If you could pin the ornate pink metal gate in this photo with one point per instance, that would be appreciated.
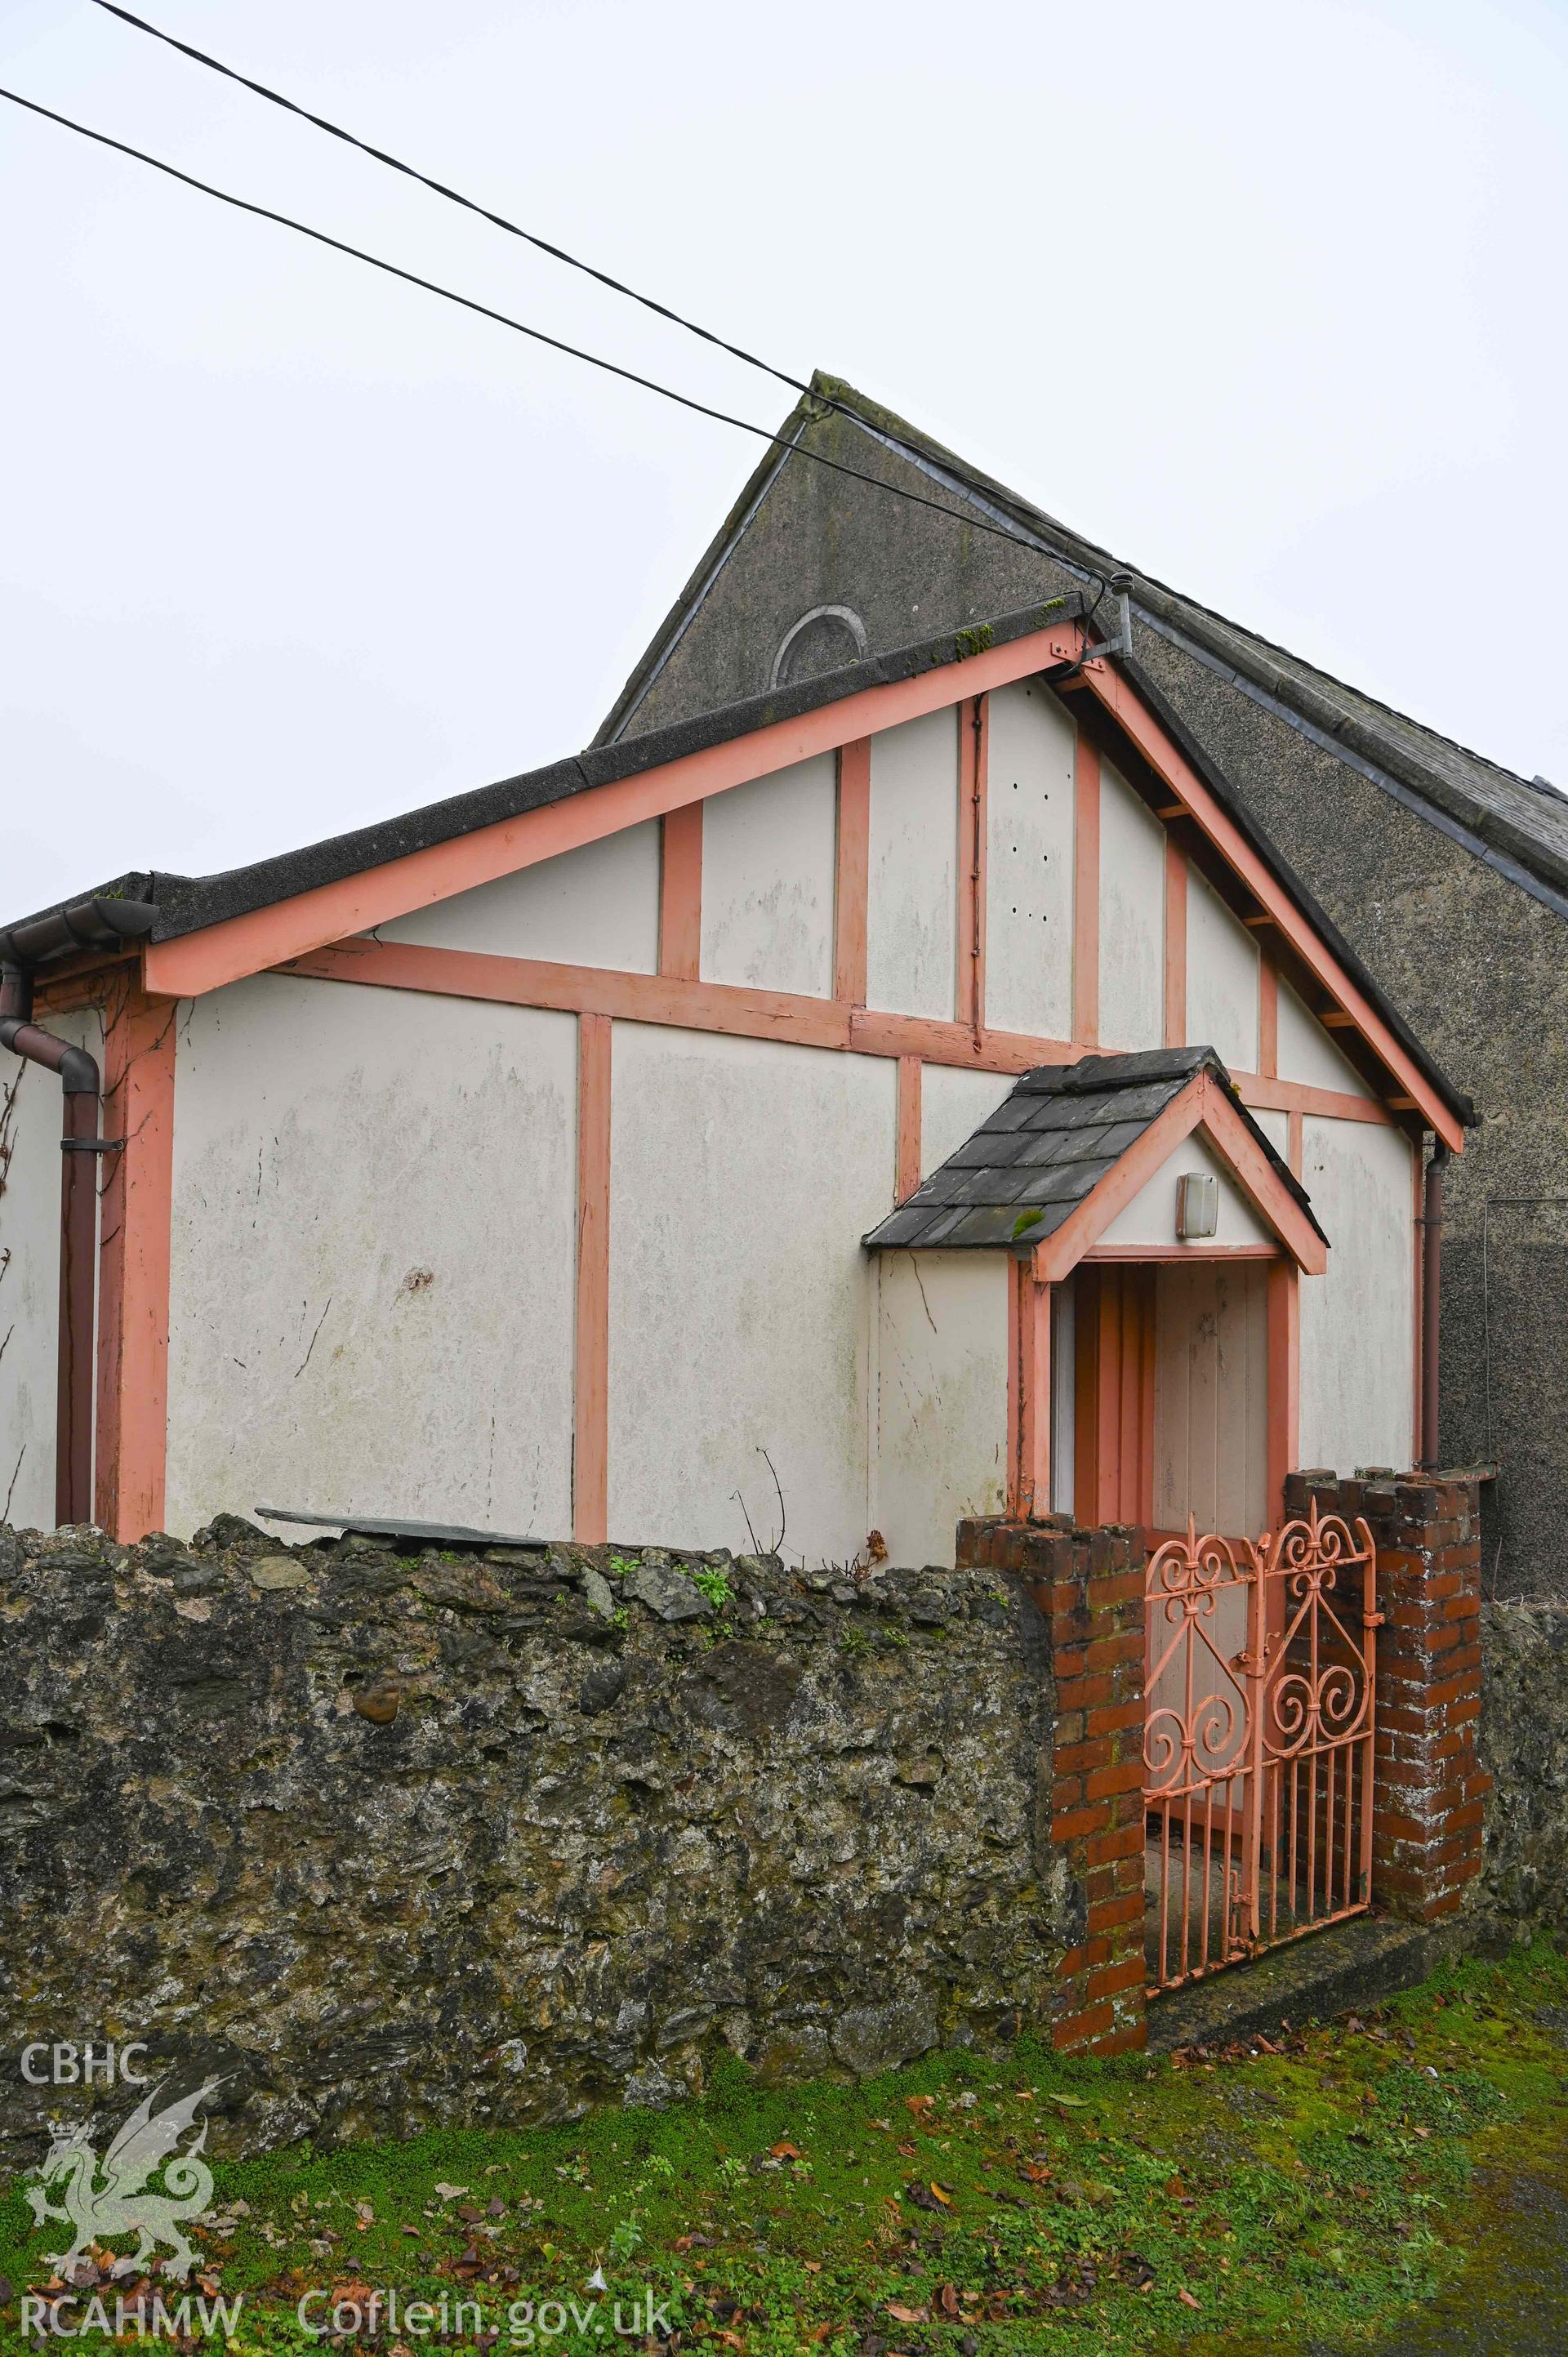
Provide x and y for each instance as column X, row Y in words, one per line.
column 1258, row 1740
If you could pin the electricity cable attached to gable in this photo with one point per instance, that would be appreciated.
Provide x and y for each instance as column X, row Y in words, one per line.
column 505, row 319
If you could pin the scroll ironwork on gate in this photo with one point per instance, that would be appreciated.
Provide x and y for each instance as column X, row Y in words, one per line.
column 1258, row 1739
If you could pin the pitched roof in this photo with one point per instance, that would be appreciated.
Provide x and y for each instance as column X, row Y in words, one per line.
column 187, row 903
column 1048, row 1143
column 1516, row 824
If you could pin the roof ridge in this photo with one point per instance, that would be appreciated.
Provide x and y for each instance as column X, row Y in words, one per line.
column 852, row 402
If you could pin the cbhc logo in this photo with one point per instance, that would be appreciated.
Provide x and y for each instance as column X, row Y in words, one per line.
column 68, row 2065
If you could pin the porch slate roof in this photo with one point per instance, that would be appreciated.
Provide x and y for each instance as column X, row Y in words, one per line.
column 1047, row 1145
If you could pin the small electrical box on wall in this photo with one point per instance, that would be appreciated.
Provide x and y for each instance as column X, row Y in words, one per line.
column 1196, row 1205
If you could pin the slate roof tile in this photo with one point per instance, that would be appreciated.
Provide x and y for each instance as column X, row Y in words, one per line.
column 1079, row 1120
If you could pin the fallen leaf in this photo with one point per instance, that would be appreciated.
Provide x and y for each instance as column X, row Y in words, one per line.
column 908, row 2315
column 353, row 2291
column 785, row 2151
column 948, row 2300
column 918, row 2103
column 943, row 2196
column 908, row 2150
column 1175, row 2189
column 1423, row 2132
column 1186, row 2299
column 450, row 2192
column 1077, row 2103
column 813, row 2266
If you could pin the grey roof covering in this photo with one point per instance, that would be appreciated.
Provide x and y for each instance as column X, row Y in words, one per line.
column 1048, row 1145
column 187, row 903
column 1519, row 825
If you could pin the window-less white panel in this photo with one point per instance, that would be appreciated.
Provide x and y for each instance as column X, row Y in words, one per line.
column 30, row 1119
column 953, row 1104
column 1307, row 1053
column 1275, row 1127
column 743, row 1175
column 1150, row 1218
column 596, row 906
column 1358, row 1370
column 374, row 1235
column 768, row 857
column 1028, row 863
column 911, row 934
column 941, row 1438
column 1211, row 1397
column 1131, row 917
column 1221, row 978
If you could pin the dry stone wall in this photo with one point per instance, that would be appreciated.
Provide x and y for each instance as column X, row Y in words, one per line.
column 393, row 1840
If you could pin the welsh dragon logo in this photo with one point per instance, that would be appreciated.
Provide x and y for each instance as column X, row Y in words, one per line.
column 104, row 2201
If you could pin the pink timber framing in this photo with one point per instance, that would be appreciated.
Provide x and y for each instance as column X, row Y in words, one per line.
column 749, row 1013
column 973, row 752
column 1028, row 1393
column 134, row 1229
column 1168, row 762
column 1203, row 1103
column 1114, row 1474
column 853, row 884
column 680, row 893
column 320, row 934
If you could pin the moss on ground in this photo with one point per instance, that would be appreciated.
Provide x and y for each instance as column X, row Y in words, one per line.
column 1257, row 2198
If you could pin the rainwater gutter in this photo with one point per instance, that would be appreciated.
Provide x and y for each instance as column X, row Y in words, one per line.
column 91, row 924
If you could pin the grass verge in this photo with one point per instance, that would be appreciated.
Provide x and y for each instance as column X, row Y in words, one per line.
column 1256, row 2198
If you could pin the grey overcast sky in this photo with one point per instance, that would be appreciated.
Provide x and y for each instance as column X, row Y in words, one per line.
column 1267, row 298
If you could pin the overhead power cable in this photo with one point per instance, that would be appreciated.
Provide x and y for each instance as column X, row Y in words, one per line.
column 453, row 196
column 543, row 244
column 504, row 320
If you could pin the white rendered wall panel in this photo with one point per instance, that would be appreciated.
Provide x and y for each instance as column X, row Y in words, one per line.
column 1306, row 1052
column 1275, row 1127
column 1221, row 978
column 596, row 906
column 744, row 1174
column 942, row 1390
column 372, row 1281
column 911, row 935
column 1151, row 1217
column 1357, row 1371
column 1030, row 821
column 953, row 1104
column 1131, row 917
column 769, row 851
column 32, row 1116
column 1211, row 1396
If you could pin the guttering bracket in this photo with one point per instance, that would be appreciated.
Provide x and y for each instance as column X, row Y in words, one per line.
column 92, row 1145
